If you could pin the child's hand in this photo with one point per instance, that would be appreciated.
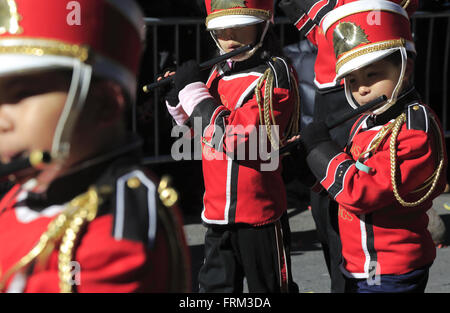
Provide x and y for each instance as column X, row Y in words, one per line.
column 169, row 92
column 187, row 73
column 293, row 138
column 166, row 74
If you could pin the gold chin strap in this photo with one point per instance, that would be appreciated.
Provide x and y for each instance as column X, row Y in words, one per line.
column 67, row 226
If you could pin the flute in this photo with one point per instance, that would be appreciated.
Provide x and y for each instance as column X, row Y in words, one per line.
column 339, row 121
column 35, row 160
column 203, row 66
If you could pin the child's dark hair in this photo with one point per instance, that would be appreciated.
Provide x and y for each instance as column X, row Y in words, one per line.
column 396, row 58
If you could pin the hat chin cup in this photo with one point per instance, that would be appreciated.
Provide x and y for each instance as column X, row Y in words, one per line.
column 393, row 99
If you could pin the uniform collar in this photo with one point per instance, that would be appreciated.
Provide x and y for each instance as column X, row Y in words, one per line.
column 260, row 57
column 404, row 99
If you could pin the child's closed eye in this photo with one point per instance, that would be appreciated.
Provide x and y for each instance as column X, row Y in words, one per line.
column 372, row 74
column 15, row 95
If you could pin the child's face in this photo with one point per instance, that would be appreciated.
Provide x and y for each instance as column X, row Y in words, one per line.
column 30, row 107
column 233, row 38
column 373, row 81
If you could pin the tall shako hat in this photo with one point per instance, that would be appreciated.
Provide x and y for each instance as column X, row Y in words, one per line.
column 366, row 31
column 235, row 13
column 102, row 38
column 238, row 13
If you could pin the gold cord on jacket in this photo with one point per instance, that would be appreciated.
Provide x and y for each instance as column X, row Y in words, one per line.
column 395, row 127
column 292, row 128
column 268, row 78
column 86, row 210
column 66, row 225
column 432, row 180
column 266, row 105
column 382, row 133
column 405, row 3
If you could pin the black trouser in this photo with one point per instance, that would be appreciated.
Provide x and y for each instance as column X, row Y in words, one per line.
column 261, row 254
column 324, row 210
column 414, row 281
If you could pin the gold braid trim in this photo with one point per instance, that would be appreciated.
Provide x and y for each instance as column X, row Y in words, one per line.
column 68, row 223
column 87, row 207
column 292, row 128
column 405, row 3
column 268, row 78
column 47, row 239
column 382, row 133
column 266, row 105
column 258, row 94
column 45, row 47
column 379, row 46
column 265, row 15
column 393, row 153
column 269, row 118
column 431, row 182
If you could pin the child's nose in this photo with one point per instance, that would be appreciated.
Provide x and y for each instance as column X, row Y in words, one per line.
column 5, row 123
column 228, row 34
column 364, row 90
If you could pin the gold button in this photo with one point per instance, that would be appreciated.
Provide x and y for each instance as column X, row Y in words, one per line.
column 133, row 182
column 168, row 197
column 415, row 108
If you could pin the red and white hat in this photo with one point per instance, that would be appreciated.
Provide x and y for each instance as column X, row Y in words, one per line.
column 363, row 32
column 102, row 38
column 236, row 13
column 224, row 14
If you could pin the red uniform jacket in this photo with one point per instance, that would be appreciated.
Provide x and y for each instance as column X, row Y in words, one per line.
column 237, row 188
column 307, row 17
column 128, row 247
column 377, row 232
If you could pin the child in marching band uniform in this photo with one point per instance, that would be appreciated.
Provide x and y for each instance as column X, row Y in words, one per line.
column 244, row 206
column 330, row 100
column 392, row 167
column 92, row 220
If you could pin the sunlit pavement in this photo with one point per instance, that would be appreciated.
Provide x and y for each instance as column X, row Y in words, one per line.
column 308, row 265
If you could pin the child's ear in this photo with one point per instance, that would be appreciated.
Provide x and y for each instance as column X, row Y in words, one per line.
column 409, row 70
